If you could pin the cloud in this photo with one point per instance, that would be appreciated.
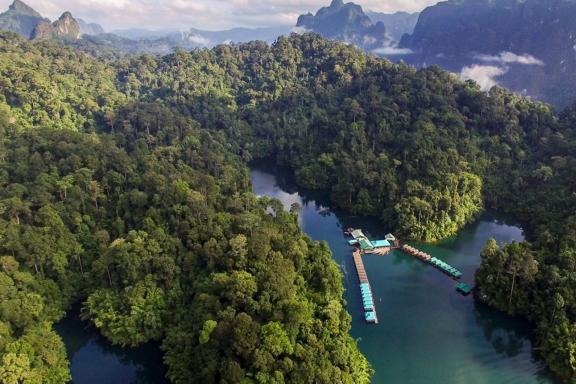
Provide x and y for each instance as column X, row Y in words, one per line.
column 299, row 30
column 205, row 14
column 510, row 58
column 392, row 51
column 198, row 39
column 484, row 75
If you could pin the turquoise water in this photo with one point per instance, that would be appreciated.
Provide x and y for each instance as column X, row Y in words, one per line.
column 93, row 360
column 427, row 332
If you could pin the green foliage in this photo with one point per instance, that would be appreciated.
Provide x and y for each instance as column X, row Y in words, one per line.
column 47, row 85
column 31, row 351
column 132, row 317
column 124, row 185
column 506, row 276
column 433, row 213
column 209, row 326
column 540, row 193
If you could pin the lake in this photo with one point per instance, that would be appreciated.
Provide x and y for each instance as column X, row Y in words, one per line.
column 94, row 360
column 427, row 333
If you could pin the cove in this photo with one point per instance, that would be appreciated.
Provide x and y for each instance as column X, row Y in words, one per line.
column 94, row 360
column 427, row 332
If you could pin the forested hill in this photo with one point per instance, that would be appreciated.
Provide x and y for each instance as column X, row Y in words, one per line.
column 124, row 185
column 153, row 226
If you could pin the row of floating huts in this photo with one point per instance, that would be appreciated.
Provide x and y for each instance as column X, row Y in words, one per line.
column 439, row 264
column 461, row 287
column 377, row 247
column 381, row 247
column 365, row 289
column 368, row 303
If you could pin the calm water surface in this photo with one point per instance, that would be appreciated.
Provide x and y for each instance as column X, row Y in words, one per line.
column 428, row 333
column 93, row 360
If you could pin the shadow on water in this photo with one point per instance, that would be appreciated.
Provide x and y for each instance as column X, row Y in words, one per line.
column 510, row 337
column 285, row 181
column 94, row 360
column 507, row 337
column 428, row 333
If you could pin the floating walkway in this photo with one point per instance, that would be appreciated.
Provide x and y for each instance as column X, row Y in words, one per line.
column 382, row 247
column 373, row 247
column 439, row 264
column 362, row 277
column 365, row 289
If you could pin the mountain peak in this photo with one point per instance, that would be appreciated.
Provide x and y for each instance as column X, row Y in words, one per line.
column 65, row 27
column 20, row 19
column 23, row 8
column 66, row 15
column 345, row 22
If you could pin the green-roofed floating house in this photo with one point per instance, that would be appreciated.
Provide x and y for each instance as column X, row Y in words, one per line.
column 370, row 317
column 464, row 288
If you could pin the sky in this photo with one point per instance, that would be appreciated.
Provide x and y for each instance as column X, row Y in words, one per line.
column 203, row 14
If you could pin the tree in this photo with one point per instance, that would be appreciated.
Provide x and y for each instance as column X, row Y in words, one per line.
column 558, row 304
column 207, row 329
column 520, row 263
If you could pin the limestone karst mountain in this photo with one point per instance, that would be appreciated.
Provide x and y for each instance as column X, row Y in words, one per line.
column 347, row 23
column 20, row 19
column 66, row 27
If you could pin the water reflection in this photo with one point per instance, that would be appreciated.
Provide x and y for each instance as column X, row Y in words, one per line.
column 506, row 337
column 93, row 360
column 428, row 333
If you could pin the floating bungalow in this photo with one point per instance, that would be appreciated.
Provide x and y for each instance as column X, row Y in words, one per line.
column 370, row 317
column 378, row 247
column 392, row 240
column 464, row 288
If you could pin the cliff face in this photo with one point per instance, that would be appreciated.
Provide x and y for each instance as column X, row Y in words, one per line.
column 530, row 44
column 543, row 28
column 397, row 24
column 66, row 27
column 90, row 28
column 347, row 23
column 20, row 19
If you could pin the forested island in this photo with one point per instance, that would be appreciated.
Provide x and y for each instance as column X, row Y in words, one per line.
column 124, row 185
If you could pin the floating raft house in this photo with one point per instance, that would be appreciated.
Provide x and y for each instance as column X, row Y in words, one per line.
column 365, row 244
column 381, row 243
column 390, row 237
column 446, row 268
column 367, row 298
column 370, row 317
column 378, row 247
column 464, row 288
